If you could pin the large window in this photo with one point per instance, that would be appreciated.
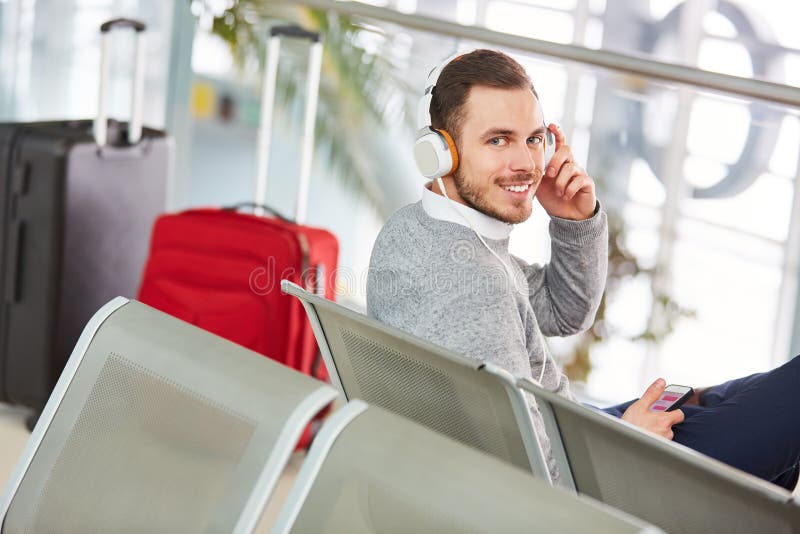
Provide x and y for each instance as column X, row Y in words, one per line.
column 50, row 57
column 702, row 184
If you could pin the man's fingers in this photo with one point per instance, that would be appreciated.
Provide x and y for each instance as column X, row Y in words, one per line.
column 560, row 159
column 562, row 155
column 579, row 183
column 568, row 171
column 660, row 423
column 677, row 417
column 654, row 391
column 558, row 133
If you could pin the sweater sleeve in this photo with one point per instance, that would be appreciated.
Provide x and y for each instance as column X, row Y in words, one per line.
column 566, row 293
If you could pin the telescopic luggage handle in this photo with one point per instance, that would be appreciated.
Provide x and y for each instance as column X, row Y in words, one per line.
column 293, row 30
column 101, row 122
column 261, row 208
column 309, row 118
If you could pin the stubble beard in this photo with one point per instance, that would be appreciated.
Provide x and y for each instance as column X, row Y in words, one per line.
column 473, row 197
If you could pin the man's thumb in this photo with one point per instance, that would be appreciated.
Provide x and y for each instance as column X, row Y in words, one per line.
column 654, row 391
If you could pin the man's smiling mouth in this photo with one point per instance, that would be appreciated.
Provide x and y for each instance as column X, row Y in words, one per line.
column 517, row 188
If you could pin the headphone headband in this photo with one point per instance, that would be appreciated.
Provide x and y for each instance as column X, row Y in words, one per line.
column 424, row 108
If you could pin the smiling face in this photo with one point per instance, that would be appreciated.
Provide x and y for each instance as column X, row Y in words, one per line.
column 501, row 150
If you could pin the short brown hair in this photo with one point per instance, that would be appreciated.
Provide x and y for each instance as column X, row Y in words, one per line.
column 488, row 68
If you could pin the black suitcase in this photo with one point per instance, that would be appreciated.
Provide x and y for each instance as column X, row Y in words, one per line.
column 76, row 217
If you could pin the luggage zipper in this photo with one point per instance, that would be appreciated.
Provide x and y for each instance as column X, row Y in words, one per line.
column 304, row 250
column 316, row 283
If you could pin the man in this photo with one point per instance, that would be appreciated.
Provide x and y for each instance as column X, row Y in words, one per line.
column 441, row 269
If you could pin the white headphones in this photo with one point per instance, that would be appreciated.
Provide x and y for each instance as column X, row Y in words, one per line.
column 434, row 150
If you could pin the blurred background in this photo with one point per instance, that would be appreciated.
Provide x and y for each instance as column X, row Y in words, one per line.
column 699, row 184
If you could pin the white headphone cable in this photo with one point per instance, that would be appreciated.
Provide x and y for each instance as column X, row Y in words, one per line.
column 513, row 278
column 455, row 206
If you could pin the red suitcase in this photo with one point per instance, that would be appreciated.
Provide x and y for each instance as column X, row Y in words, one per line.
column 220, row 269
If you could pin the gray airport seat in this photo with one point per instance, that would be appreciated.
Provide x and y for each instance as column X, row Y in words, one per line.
column 370, row 470
column 659, row 481
column 158, row 426
column 474, row 403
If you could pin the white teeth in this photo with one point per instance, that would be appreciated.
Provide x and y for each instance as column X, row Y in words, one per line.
column 516, row 188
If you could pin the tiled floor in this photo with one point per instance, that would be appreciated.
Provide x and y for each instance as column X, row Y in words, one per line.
column 13, row 437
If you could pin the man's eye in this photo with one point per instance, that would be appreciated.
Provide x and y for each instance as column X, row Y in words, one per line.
column 497, row 141
column 535, row 139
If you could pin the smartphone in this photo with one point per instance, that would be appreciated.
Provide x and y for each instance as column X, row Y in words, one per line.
column 672, row 398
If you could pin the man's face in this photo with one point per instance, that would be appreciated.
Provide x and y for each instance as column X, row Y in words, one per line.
column 501, row 151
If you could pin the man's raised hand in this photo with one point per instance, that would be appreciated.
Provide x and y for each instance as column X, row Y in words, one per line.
column 566, row 191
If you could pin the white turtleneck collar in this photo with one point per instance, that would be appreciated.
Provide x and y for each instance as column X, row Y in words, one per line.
column 438, row 207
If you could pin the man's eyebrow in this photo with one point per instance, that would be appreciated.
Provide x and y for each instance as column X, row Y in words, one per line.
column 492, row 132
column 506, row 132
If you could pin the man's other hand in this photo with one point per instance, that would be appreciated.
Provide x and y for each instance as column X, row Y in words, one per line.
column 657, row 422
column 566, row 191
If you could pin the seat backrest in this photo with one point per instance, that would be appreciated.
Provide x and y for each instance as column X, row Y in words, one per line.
column 158, row 426
column 662, row 482
column 474, row 403
column 373, row 471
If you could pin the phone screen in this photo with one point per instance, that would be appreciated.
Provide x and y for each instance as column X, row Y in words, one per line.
column 672, row 398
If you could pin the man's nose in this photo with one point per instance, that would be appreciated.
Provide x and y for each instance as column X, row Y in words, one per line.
column 522, row 158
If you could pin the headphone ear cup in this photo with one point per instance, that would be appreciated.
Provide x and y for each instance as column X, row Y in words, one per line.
column 432, row 156
column 435, row 153
column 549, row 146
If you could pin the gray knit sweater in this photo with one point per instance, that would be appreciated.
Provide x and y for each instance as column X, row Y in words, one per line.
column 434, row 279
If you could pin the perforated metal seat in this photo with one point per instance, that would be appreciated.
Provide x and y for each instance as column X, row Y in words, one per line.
column 665, row 483
column 373, row 471
column 474, row 403
column 158, row 426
